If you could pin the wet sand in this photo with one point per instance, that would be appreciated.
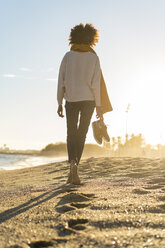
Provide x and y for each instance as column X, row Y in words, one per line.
column 120, row 203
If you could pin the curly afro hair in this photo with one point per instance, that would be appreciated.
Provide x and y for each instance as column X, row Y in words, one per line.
column 84, row 34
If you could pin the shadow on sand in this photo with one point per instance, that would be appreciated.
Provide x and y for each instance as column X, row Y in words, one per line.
column 46, row 196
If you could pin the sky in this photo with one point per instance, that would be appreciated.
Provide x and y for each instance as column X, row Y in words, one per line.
column 33, row 41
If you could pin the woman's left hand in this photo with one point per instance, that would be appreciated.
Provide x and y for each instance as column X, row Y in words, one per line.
column 99, row 113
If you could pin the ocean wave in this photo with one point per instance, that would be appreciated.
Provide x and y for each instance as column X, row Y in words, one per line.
column 17, row 161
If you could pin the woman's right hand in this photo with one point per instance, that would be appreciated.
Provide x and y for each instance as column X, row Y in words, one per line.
column 99, row 113
column 60, row 111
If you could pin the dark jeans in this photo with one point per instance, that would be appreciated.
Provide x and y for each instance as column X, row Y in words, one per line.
column 76, row 132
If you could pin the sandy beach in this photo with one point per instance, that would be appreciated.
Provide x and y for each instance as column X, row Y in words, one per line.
column 120, row 203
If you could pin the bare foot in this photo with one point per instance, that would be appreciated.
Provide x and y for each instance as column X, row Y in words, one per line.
column 73, row 176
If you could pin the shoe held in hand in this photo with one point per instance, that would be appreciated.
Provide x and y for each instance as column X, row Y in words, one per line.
column 100, row 131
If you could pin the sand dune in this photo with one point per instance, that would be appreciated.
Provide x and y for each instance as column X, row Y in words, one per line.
column 120, row 203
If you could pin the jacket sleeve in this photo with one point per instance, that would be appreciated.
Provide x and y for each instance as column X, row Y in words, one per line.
column 96, row 82
column 61, row 78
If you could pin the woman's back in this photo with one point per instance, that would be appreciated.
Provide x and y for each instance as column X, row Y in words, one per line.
column 80, row 75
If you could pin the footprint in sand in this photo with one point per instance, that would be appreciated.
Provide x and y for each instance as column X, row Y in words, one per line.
column 160, row 209
column 64, row 231
column 40, row 244
column 114, row 224
column 64, row 209
column 153, row 187
column 15, row 246
column 72, row 226
column 162, row 198
column 75, row 197
column 79, row 205
column 70, row 202
column 137, row 175
column 160, row 181
column 73, row 201
column 140, row 192
column 103, row 207
column 77, row 224
column 43, row 243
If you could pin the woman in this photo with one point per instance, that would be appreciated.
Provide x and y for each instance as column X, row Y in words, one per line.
column 79, row 82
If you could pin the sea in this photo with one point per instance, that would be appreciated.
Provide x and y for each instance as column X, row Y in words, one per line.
column 19, row 161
